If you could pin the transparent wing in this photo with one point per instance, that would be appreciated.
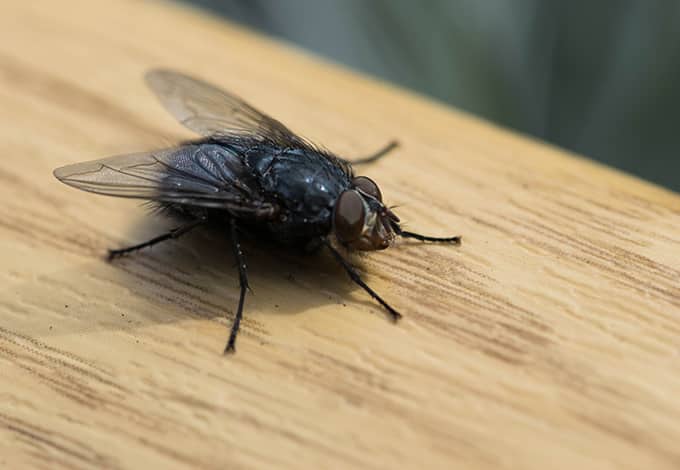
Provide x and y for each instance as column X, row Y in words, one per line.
column 204, row 175
column 212, row 112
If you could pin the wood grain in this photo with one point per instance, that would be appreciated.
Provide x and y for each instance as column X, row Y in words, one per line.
column 550, row 338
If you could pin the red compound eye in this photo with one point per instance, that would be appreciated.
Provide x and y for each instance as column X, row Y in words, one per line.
column 349, row 216
column 368, row 186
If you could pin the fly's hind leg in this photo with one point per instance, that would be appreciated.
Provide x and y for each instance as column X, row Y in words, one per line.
column 171, row 234
column 243, row 282
column 378, row 155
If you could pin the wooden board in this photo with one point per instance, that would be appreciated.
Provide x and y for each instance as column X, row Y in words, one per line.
column 551, row 338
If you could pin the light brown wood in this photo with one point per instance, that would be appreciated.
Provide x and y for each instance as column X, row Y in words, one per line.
column 550, row 339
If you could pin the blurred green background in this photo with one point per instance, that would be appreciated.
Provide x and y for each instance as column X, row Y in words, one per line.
column 596, row 77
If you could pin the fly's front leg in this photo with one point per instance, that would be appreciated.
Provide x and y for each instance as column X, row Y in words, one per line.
column 243, row 282
column 378, row 155
column 356, row 278
column 424, row 238
column 171, row 234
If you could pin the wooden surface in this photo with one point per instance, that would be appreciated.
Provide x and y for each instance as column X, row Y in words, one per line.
column 551, row 338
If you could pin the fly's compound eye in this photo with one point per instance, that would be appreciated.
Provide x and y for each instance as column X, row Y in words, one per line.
column 349, row 216
column 368, row 186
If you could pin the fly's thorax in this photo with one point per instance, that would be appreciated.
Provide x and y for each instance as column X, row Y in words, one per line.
column 300, row 179
column 304, row 183
column 360, row 220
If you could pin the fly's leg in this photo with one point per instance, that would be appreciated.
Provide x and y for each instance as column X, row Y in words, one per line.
column 425, row 238
column 243, row 282
column 379, row 154
column 356, row 278
column 174, row 233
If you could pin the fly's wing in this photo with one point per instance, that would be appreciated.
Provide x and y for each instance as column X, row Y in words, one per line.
column 204, row 175
column 212, row 112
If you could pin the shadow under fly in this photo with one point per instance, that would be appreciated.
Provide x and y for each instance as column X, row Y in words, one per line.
column 248, row 175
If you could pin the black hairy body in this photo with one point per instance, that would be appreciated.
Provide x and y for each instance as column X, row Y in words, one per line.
column 287, row 194
column 249, row 174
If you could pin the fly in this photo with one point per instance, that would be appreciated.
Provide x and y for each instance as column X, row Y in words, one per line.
column 248, row 173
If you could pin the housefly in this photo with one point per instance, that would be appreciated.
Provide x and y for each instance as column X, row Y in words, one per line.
column 248, row 174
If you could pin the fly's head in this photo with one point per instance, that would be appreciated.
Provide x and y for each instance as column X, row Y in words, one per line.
column 360, row 219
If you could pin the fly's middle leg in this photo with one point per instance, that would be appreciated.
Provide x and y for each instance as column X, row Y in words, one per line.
column 243, row 282
column 378, row 155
